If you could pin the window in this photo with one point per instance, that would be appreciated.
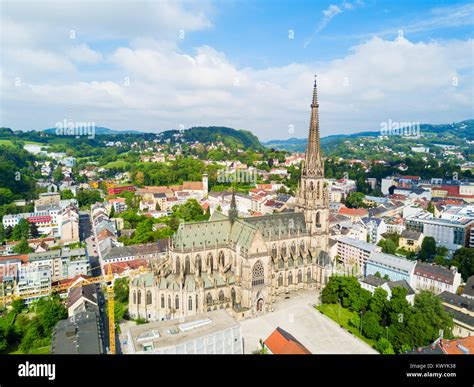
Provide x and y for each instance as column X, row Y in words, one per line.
column 308, row 275
column 198, row 264
column 190, row 303
column 283, row 249
column 280, row 280
column 293, row 247
column 187, row 265
column 258, row 274
column 290, row 278
column 134, row 297
column 221, row 259
column 177, row 265
column 209, row 299
column 169, row 302
column 197, row 303
column 148, row 298
column 163, row 301
column 210, row 263
column 300, row 276
column 318, row 219
column 176, row 302
column 221, row 296
column 274, row 251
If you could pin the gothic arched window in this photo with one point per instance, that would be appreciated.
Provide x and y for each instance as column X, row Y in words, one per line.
column 187, row 265
column 283, row 249
column 258, row 274
column 176, row 302
column 197, row 303
column 300, row 276
column 190, row 303
column 198, row 264
column 163, row 301
column 134, row 297
column 139, row 295
column 232, row 295
column 221, row 259
column 293, row 247
column 302, row 246
column 169, row 302
column 308, row 275
column 177, row 265
column 209, row 299
column 148, row 297
column 318, row 219
column 280, row 280
column 210, row 262
column 274, row 251
column 221, row 296
column 290, row 278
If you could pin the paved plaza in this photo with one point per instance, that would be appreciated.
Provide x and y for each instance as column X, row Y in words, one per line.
column 296, row 315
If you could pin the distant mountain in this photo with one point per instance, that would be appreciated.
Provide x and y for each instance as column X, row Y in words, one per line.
column 213, row 134
column 99, row 130
column 460, row 130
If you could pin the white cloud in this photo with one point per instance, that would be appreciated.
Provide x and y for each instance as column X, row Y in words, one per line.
column 168, row 87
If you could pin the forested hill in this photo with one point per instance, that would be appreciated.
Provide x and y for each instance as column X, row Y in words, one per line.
column 212, row 134
column 444, row 133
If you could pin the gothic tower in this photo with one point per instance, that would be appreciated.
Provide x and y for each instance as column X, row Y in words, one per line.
column 312, row 196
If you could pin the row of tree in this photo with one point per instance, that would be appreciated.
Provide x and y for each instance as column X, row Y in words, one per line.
column 394, row 324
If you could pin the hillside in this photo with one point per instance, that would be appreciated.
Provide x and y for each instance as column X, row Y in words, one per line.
column 431, row 134
column 211, row 134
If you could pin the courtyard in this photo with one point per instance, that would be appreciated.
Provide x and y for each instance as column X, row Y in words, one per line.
column 297, row 315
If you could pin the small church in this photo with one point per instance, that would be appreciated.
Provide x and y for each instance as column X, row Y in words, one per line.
column 242, row 265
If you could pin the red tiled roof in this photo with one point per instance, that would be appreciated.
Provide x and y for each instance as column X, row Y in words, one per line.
column 353, row 211
column 281, row 342
column 452, row 347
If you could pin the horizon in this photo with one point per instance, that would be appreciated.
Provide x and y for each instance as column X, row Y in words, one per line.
column 150, row 65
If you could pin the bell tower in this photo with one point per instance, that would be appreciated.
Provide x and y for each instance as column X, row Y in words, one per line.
column 312, row 196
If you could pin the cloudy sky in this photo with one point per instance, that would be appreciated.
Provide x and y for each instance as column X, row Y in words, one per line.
column 159, row 65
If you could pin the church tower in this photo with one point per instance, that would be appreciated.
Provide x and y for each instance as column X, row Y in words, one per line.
column 312, row 196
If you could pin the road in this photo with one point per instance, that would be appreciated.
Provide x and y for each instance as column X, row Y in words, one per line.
column 85, row 232
column 296, row 315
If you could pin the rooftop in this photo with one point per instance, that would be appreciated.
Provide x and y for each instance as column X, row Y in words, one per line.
column 173, row 332
column 281, row 342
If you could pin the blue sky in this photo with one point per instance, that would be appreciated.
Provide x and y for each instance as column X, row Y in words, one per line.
column 246, row 64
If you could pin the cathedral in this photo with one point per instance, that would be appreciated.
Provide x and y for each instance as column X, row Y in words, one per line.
column 242, row 265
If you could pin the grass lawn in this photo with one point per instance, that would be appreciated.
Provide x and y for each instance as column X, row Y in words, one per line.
column 34, row 351
column 116, row 164
column 342, row 316
column 6, row 142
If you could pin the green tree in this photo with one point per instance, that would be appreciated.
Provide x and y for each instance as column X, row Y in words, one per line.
column 371, row 326
column 21, row 230
column 384, row 346
column 34, row 232
column 388, row 246
column 355, row 200
column 378, row 302
column 22, row 247
column 463, row 258
column 67, row 194
column 428, row 249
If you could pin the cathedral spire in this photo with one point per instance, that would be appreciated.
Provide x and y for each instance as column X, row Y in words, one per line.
column 233, row 211
column 313, row 162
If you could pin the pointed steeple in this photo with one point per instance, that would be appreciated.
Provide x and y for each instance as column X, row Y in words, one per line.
column 233, row 212
column 313, row 162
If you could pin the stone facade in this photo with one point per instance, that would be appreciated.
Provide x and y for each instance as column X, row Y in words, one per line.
column 242, row 264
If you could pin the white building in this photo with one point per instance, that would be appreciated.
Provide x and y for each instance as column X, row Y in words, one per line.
column 210, row 333
column 436, row 278
column 354, row 253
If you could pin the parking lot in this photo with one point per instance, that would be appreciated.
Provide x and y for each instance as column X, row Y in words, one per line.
column 296, row 315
